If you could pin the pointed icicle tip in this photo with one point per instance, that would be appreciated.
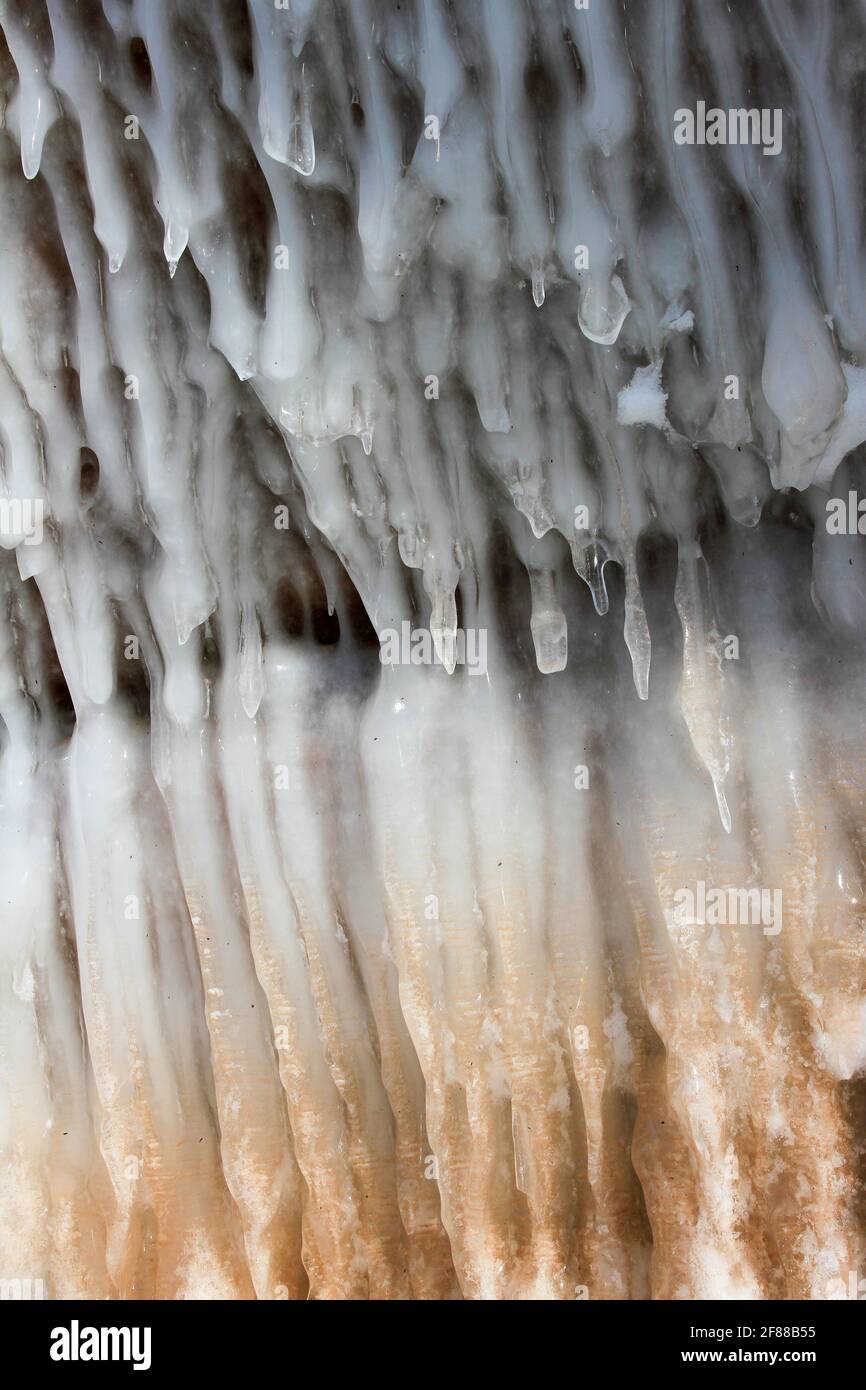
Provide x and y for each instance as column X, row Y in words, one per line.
column 537, row 287
column 174, row 245
column 301, row 148
column 251, row 698
column 445, row 644
column 724, row 810
column 589, row 564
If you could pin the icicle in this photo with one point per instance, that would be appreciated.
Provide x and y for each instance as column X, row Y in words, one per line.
column 301, row 144
column 359, row 424
column 443, row 627
column 538, row 286
column 408, row 547
column 251, row 678
column 603, row 310
column 548, row 625
column 176, row 239
column 701, row 688
column 636, row 630
column 521, row 1152
column 589, row 562
column 37, row 108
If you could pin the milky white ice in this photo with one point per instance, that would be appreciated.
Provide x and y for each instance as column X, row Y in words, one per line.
column 325, row 970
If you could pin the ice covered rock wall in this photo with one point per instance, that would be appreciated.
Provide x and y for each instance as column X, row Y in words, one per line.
column 529, row 963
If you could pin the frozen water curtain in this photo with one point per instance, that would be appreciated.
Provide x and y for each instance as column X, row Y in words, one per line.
column 432, row 665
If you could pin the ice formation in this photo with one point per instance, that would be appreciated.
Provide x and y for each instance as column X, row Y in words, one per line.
column 341, row 962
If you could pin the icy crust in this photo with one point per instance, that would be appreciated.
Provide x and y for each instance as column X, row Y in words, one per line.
column 326, row 976
column 448, row 248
